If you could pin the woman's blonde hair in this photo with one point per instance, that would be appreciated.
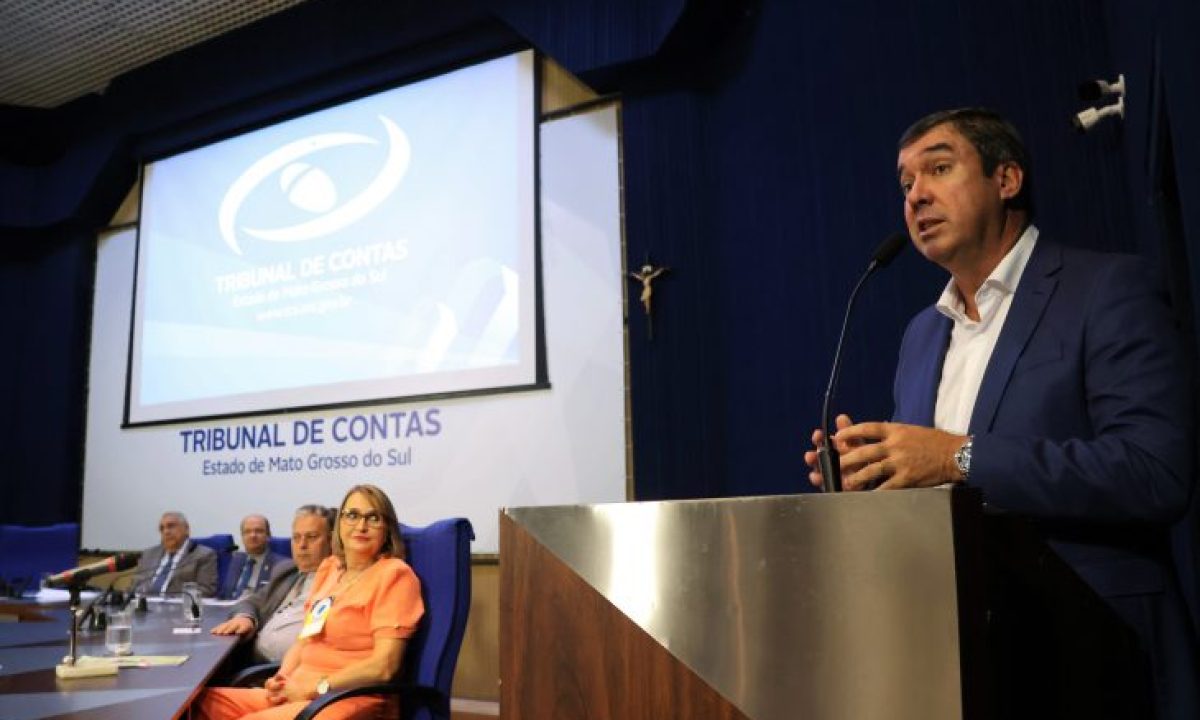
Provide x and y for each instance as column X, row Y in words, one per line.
column 393, row 546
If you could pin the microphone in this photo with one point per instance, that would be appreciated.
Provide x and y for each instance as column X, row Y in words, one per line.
column 827, row 454
column 92, row 615
column 83, row 573
column 97, row 618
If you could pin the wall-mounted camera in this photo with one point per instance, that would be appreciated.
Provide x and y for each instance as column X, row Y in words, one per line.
column 1094, row 90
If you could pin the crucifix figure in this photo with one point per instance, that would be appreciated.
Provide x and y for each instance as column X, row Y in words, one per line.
column 646, row 277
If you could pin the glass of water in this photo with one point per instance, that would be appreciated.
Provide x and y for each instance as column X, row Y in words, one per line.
column 191, row 603
column 118, row 634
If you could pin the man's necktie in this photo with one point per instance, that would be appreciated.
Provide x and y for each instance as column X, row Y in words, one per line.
column 160, row 578
column 247, row 571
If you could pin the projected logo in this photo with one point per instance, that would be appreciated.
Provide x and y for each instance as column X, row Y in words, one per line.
column 309, row 188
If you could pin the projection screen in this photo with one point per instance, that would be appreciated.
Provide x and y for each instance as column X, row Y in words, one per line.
column 380, row 248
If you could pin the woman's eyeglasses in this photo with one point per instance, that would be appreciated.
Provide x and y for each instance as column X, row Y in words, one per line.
column 353, row 517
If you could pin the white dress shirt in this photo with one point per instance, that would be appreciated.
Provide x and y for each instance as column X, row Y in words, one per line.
column 172, row 558
column 971, row 342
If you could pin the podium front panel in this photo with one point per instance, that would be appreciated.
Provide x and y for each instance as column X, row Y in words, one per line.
column 805, row 606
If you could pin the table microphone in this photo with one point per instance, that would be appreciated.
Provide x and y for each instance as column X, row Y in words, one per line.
column 97, row 618
column 83, row 573
column 827, row 455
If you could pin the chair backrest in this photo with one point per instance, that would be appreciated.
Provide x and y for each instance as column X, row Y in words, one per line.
column 440, row 555
column 281, row 546
column 222, row 545
column 28, row 552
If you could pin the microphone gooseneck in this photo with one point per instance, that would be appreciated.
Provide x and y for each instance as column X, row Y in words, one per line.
column 828, row 460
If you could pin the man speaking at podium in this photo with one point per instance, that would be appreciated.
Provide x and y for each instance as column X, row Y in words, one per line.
column 1053, row 379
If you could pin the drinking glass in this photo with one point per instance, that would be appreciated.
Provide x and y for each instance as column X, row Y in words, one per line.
column 192, row 609
column 118, row 634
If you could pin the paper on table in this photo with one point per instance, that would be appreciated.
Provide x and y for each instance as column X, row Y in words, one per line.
column 215, row 602
column 150, row 660
column 176, row 599
column 54, row 595
column 136, row 661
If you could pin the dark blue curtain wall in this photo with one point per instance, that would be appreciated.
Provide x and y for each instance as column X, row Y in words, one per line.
column 45, row 297
column 759, row 153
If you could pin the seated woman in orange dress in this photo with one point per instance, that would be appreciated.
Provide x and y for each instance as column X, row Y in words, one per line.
column 365, row 604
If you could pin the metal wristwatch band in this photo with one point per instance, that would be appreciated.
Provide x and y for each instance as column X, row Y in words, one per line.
column 962, row 458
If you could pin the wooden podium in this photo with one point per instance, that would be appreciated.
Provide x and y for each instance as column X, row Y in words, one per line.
column 857, row 605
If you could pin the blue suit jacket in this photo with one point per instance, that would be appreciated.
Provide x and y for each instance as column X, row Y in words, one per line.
column 1083, row 422
column 270, row 561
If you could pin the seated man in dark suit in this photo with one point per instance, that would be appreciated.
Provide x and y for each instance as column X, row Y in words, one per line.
column 274, row 613
column 251, row 568
column 165, row 567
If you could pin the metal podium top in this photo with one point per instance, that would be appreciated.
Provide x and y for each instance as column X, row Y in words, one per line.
column 822, row 606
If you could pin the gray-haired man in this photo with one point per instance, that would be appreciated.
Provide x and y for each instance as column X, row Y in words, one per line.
column 274, row 613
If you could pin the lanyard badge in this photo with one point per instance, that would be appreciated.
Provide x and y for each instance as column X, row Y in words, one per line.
column 314, row 620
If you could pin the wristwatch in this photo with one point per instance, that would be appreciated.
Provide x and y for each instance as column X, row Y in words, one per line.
column 962, row 458
column 322, row 686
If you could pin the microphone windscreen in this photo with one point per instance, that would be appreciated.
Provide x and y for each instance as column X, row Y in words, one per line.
column 889, row 249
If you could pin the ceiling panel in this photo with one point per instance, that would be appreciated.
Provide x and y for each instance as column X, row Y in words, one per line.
column 53, row 51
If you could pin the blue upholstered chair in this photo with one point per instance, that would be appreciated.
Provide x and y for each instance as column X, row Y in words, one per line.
column 222, row 545
column 440, row 555
column 26, row 553
column 281, row 546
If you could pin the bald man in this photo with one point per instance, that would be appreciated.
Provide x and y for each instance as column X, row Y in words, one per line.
column 251, row 567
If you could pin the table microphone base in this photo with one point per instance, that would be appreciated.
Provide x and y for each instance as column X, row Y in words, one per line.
column 86, row 667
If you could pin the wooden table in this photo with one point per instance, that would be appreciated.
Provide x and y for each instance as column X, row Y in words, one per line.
column 29, row 651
